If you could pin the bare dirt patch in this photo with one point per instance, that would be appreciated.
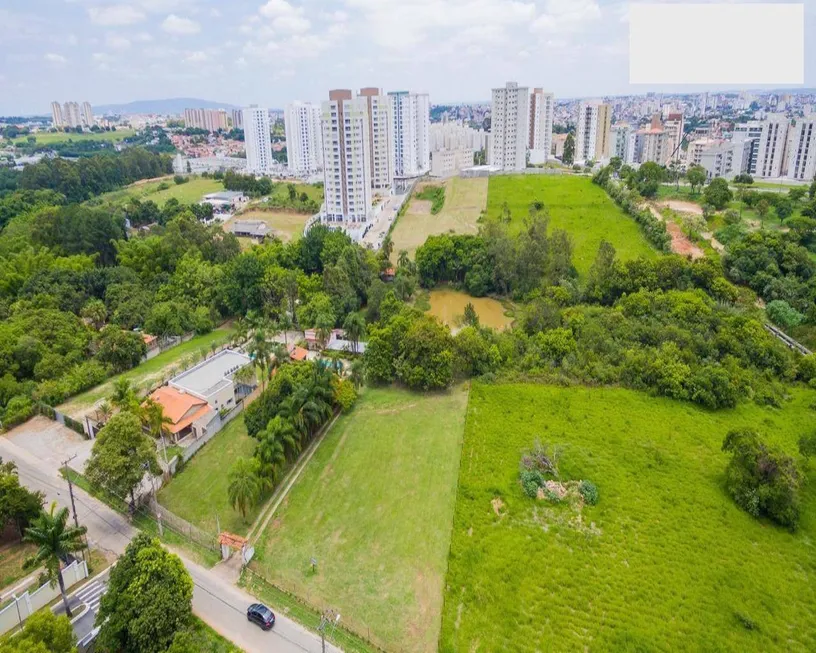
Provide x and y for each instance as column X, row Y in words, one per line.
column 680, row 244
column 421, row 207
column 498, row 505
column 683, row 207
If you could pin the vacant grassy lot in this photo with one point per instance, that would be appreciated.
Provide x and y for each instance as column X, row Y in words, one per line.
column 146, row 373
column 374, row 507
column 199, row 492
column 665, row 561
column 465, row 199
column 284, row 224
column 47, row 138
column 576, row 205
column 12, row 557
column 187, row 193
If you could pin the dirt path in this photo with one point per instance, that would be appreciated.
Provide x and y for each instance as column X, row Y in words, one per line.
column 682, row 206
column 680, row 243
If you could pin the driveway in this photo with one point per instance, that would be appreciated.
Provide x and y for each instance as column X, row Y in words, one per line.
column 52, row 443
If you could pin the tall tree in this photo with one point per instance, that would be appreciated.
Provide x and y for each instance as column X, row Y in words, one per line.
column 260, row 350
column 122, row 453
column 156, row 422
column 245, row 484
column 54, row 539
column 355, row 327
column 569, row 150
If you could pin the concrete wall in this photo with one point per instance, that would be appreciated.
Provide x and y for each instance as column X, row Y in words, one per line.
column 28, row 603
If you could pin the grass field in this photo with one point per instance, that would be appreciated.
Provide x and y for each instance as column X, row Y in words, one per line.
column 665, row 561
column 188, row 193
column 374, row 507
column 47, row 138
column 12, row 557
column 576, row 205
column 146, row 373
column 465, row 199
column 284, row 224
column 199, row 491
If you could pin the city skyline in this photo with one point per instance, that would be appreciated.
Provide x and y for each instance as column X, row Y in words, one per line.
column 455, row 51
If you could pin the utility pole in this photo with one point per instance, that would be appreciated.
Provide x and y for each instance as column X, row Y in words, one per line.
column 71, row 493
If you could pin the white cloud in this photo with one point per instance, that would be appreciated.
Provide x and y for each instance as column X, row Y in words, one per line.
column 284, row 17
column 56, row 59
column 143, row 37
column 115, row 15
column 291, row 24
column 117, row 42
column 163, row 6
column 178, row 25
column 566, row 16
column 196, row 57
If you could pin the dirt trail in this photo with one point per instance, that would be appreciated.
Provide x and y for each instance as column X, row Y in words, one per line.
column 682, row 206
column 680, row 243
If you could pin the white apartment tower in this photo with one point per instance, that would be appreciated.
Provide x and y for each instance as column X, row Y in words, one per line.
column 237, row 119
column 593, row 131
column 56, row 115
column 304, row 138
column 378, row 114
column 347, row 168
column 541, row 124
column 623, row 143
column 70, row 112
column 802, row 155
column 258, row 140
column 510, row 126
column 212, row 120
column 772, row 142
column 674, row 125
column 87, row 114
column 410, row 133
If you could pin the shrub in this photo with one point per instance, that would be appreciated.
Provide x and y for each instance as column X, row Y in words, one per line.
column 345, row 393
column 783, row 314
column 178, row 179
column 763, row 480
column 531, row 481
column 18, row 410
column 589, row 491
column 437, row 196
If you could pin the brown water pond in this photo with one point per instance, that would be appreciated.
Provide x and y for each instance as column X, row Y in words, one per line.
column 449, row 306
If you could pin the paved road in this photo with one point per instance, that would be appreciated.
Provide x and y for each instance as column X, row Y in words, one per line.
column 221, row 605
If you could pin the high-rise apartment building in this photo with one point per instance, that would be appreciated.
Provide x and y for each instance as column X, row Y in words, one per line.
column 56, row 115
column 802, row 153
column 304, row 138
column 258, row 140
column 347, row 168
column 653, row 144
column 593, row 132
column 772, row 145
column 410, row 115
column 212, row 120
column 673, row 125
column 87, row 114
column 623, row 143
column 510, row 127
column 237, row 119
column 542, row 106
column 380, row 155
column 749, row 133
column 456, row 136
column 71, row 114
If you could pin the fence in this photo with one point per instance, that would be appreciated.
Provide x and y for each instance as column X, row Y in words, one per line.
column 52, row 413
column 23, row 606
column 182, row 526
column 487, row 172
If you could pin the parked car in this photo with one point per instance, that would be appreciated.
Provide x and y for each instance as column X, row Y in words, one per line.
column 258, row 613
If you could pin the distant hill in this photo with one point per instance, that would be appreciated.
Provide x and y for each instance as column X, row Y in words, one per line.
column 167, row 106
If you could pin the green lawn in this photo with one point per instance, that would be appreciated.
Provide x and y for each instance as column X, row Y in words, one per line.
column 12, row 557
column 148, row 372
column 199, row 492
column 374, row 507
column 665, row 561
column 206, row 640
column 190, row 192
column 58, row 137
column 576, row 205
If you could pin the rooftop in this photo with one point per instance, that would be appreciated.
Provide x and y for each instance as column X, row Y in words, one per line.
column 181, row 408
column 211, row 375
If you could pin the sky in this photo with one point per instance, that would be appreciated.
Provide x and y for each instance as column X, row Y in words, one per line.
column 269, row 52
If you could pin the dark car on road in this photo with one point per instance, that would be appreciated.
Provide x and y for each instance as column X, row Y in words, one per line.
column 258, row 613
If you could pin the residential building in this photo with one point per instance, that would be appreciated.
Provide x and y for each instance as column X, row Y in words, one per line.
column 653, row 144
column 727, row 159
column 71, row 114
column 456, row 136
column 623, row 143
column 802, row 152
column 347, row 168
column 510, row 127
column 697, row 147
column 410, row 116
column 749, row 132
column 258, row 140
column 558, row 141
column 674, row 125
column 593, row 132
column 448, row 162
column 87, row 114
column 56, row 115
column 304, row 138
column 541, row 123
column 212, row 120
column 772, row 146
column 237, row 119
column 380, row 155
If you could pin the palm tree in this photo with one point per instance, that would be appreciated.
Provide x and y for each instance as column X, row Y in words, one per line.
column 280, row 355
column 355, row 327
column 55, row 539
column 244, row 484
column 154, row 419
column 323, row 328
column 285, row 324
column 387, row 247
column 272, row 455
column 357, row 373
column 123, row 396
column 104, row 412
column 403, row 261
column 246, row 376
column 261, row 351
column 284, row 432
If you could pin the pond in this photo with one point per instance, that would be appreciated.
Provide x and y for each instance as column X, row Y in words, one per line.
column 449, row 306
